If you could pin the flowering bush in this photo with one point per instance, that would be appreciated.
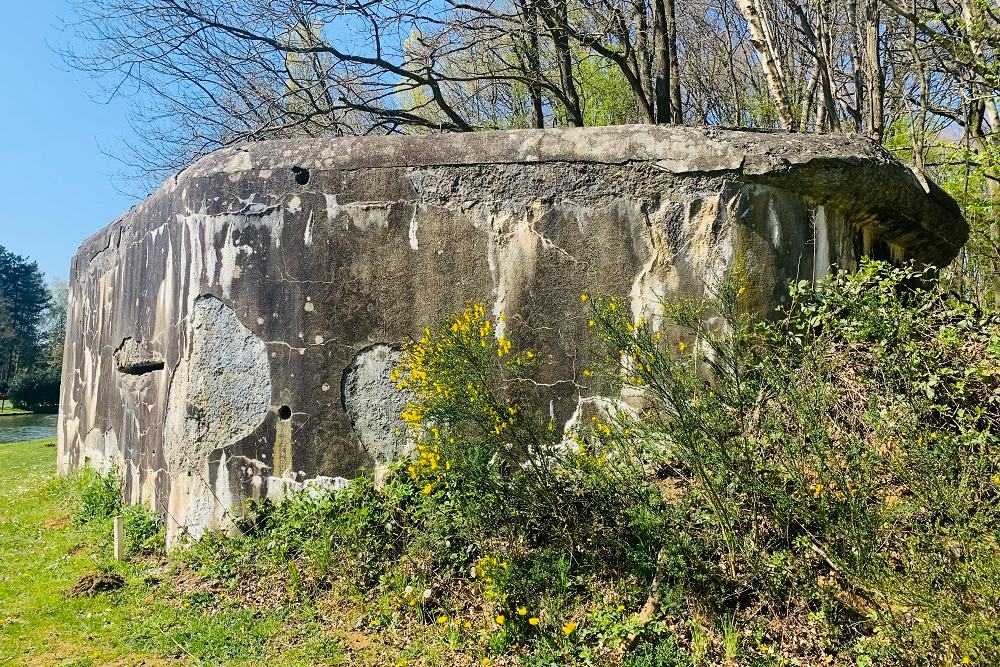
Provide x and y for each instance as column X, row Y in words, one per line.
column 819, row 488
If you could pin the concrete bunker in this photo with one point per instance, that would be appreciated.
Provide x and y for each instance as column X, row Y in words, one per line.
column 232, row 336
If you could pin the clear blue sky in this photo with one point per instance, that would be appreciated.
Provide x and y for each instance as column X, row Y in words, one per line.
column 56, row 186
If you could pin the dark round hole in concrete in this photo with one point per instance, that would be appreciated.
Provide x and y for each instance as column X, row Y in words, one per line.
column 301, row 175
column 285, row 412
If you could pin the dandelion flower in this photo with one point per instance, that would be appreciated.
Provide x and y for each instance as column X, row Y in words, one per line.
column 966, row 660
column 501, row 619
column 681, row 346
column 621, row 607
column 521, row 611
column 442, row 619
column 427, row 489
column 533, row 620
column 569, row 628
column 584, row 297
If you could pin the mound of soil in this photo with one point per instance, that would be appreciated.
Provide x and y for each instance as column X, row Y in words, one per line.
column 92, row 584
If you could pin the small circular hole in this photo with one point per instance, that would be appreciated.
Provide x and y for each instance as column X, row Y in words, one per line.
column 301, row 175
column 285, row 412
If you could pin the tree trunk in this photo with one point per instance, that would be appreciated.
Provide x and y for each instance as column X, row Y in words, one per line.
column 676, row 111
column 661, row 69
column 534, row 68
column 764, row 47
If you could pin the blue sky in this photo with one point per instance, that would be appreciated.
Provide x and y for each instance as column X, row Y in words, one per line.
column 56, row 186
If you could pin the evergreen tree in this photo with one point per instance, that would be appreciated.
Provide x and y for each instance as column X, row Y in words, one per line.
column 23, row 307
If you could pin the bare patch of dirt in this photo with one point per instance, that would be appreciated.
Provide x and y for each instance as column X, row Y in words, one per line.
column 93, row 584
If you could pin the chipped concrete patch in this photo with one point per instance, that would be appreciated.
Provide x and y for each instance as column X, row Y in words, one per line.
column 220, row 393
column 374, row 404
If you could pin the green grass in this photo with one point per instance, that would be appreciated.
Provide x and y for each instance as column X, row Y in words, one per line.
column 42, row 554
column 7, row 410
column 152, row 621
column 167, row 614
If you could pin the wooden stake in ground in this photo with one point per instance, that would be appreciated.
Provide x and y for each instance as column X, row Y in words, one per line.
column 119, row 538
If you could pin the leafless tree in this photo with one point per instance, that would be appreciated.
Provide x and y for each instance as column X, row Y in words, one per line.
column 920, row 76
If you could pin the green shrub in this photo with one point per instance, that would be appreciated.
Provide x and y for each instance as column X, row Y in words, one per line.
column 840, row 463
column 35, row 388
column 101, row 498
column 822, row 487
column 145, row 533
column 100, row 495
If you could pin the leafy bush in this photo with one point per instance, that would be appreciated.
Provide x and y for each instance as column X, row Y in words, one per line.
column 35, row 388
column 837, row 466
column 817, row 488
column 145, row 533
column 100, row 495
column 101, row 498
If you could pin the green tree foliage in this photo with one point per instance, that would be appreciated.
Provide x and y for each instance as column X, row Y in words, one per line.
column 55, row 323
column 36, row 388
column 23, row 302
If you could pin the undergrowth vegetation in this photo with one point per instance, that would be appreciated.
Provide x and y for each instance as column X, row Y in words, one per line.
column 101, row 499
column 821, row 487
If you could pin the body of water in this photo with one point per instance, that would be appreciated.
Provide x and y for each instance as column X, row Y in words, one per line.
column 27, row 427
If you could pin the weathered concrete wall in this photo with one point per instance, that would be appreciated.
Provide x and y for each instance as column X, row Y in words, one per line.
column 232, row 335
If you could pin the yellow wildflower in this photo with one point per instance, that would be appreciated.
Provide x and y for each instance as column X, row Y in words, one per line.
column 442, row 619
column 591, row 323
column 681, row 346
column 569, row 628
column 501, row 619
column 621, row 607
column 521, row 611
column 966, row 660
column 427, row 490
column 584, row 297
column 533, row 620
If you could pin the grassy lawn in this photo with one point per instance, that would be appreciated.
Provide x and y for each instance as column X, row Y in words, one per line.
column 162, row 617
column 167, row 614
column 7, row 410
column 42, row 554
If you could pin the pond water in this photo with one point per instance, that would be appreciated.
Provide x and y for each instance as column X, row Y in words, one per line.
column 27, row 427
